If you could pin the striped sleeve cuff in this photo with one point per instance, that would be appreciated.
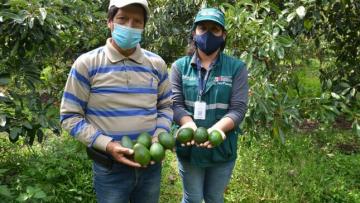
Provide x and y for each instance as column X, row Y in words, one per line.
column 101, row 142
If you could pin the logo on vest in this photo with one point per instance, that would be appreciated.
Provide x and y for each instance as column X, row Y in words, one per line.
column 223, row 80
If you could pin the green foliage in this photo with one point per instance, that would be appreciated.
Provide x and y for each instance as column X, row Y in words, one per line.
column 168, row 29
column 318, row 167
column 257, row 33
column 56, row 173
column 308, row 168
column 40, row 40
column 272, row 38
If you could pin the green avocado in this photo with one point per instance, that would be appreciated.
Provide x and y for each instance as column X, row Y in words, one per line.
column 215, row 138
column 201, row 135
column 157, row 152
column 141, row 154
column 127, row 142
column 144, row 139
column 166, row 140
column 185, row 135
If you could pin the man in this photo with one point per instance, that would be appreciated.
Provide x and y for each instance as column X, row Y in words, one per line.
column 119, row 89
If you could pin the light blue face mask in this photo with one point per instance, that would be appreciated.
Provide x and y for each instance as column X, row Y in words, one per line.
column 126, row 37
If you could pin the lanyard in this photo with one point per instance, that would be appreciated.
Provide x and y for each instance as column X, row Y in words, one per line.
column 202, row 83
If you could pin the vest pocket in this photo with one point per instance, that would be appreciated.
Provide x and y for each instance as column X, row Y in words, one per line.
column 183, row 152
column 227, row 150
column 221, row 93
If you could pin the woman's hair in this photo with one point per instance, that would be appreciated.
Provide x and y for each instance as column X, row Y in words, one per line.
column 113, row 10
column 191, row 47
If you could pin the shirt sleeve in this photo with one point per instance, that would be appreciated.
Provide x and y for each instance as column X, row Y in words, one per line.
column 239, row 97
column 178, row 97
column 73, row 107
column 164, row 111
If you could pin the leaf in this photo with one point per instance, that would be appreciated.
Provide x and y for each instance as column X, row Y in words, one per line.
column 40, row 195
column 276, row 32
column 332, row 109
column 290, row 17
column 43, row 13
column 345, row 91
column 27, row 125
column 301, row 12
column 14, row 50
column 344, row 85
column 335, row 96
column 3, row 170
column 31, row 23
column 14, row 133
column 12, row 16
column 328, row 84
column 285, row 40
column 280, row 52
column 30, row 190
column 2, row 120
column 23, row 197
column 344, row 108
column 353, row 92
column 4, row 191
column 356, row 127
column 308, row 24
column 43, row 121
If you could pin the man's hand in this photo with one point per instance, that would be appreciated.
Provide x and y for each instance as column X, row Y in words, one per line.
column 154, row 139
column 118, row 152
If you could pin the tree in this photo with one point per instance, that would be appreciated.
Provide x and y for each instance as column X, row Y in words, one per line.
column 40, row 40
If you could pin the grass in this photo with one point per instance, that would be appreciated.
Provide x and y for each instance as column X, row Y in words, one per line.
column 309, row 168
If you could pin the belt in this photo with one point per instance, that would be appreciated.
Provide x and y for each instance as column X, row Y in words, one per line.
column 100, row 157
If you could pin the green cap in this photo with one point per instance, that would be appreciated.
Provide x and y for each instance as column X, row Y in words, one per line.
column 211, row 14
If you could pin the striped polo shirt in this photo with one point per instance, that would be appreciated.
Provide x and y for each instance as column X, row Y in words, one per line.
column 108, row 95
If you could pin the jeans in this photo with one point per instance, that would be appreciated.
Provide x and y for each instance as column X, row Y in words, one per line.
column 206, row 183
column 123, row 184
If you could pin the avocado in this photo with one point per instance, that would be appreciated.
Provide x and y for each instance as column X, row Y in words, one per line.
column 215, row 138
column 141, row 154
column 167, row 140
column 157, row 152
column 144, row 139
column 185, row 135
column 127, row 142
column 201, row 135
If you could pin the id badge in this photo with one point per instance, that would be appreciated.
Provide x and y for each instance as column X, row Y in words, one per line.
column 200, row 110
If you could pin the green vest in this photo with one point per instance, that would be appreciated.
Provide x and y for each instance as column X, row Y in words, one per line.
column 217, row 95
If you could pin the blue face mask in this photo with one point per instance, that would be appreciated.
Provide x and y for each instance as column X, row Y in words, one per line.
column 126, row 37
column 208, row 42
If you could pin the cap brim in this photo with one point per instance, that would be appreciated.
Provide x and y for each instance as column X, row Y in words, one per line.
column 121, row 5
column 200, row 19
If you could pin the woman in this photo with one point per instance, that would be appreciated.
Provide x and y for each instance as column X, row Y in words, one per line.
column 209, row 90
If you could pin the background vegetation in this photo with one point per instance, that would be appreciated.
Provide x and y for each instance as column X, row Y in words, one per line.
column 303, row 58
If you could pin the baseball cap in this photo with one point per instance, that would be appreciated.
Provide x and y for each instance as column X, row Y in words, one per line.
column 123, row 3
column 210, row 14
